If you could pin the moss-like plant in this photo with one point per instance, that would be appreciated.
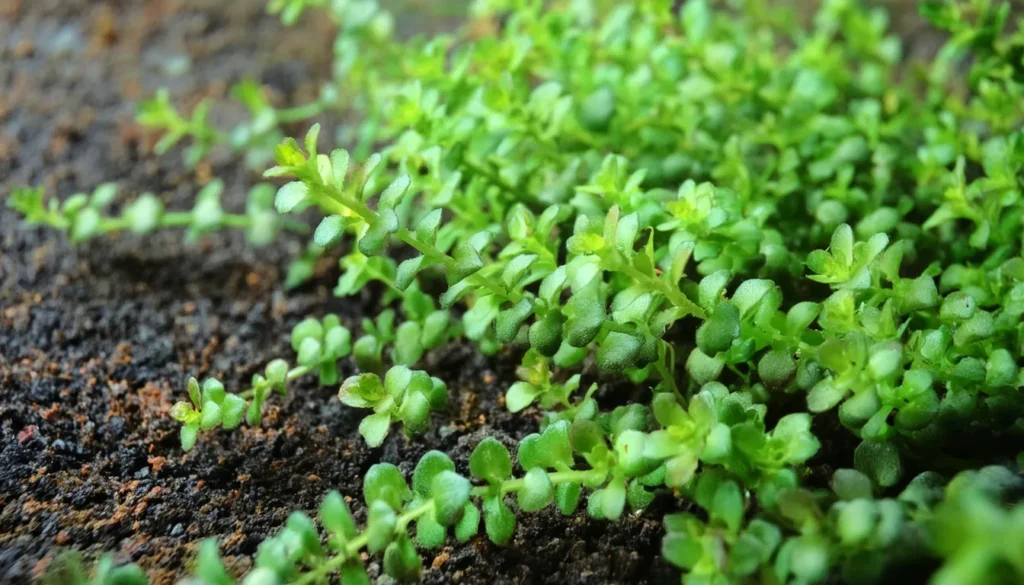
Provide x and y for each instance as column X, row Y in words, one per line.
column 787, row 234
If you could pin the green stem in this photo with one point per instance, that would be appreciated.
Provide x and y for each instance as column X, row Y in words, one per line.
column 175, row 219
column 300, row 113
column 676, row 297
column 609, row 325
column 510, row 486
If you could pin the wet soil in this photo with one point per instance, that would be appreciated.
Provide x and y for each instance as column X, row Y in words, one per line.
column 96, row 341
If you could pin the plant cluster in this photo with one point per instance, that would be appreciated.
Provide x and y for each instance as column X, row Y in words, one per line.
column 792, row 235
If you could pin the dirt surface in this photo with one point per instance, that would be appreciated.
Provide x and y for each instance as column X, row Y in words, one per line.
column 96, row 341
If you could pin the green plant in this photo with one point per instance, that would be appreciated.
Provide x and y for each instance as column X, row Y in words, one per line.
column 789, row 235
column 68, row 570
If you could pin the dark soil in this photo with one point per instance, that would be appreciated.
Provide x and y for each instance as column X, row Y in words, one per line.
column 96, row 341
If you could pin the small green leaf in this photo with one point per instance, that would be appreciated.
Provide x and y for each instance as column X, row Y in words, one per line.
column 429, row 532
column 490, row 461
column 682, row 550
column 637, row 496
column 415, row 412
column 469, row 524
column 879, row 461
column 597, row 110
column 384, row 482
column 588, row 314
column 618, row 352
column 361, row 391
column 824, row 395
column 277, row 374
column 310, row 352
column 212, row 416
column 499, row 521
column 408, row 348
column 86, row 225
column 407, row 271
column 290, row 196
column 401, row 561
column 300, row 524
column 380, row 525
column 809, row 558
column 209, row 567
column 213, row 391
column 613, row 499
column 312, row 137
column 233, row 409
column 430, row 465
column 509, row 321
column 855, row 521
column 776, row 368
column 537, row 491
column 181, row 411
column 727, row 506
column 520, row 395
column 144, row 214
column 719, row 331
column 629, row 449
column 567, row 497
column 546, row 334
column 336, row 518
column 194, row 393
column 339, row 166
column 329, row 231
column 850, row 484
column 451, row 494
column 749, row 293
column 188, row 436
column 702, row 368
column 353, row 573
column 394, row 192
column 374, row 428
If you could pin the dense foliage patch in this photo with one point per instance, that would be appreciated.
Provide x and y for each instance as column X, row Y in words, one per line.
column 792, row 235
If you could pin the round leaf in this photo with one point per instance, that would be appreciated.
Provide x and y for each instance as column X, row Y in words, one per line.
column 384, row 482
column 451, row 494
column 490, row 461
column 537, row 491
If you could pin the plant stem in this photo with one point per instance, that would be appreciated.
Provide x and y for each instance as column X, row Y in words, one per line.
column 185, row 218
column 675, row 297
column 299, row 113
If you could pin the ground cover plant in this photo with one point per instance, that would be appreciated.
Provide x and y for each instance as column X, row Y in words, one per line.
column 804, row 250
